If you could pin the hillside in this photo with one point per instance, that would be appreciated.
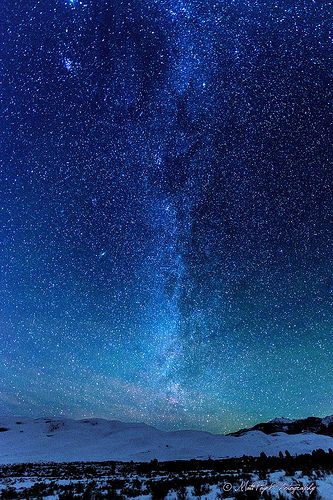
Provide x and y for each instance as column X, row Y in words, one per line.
column 61, row 440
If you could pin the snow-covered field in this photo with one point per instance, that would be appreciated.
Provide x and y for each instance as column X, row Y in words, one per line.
column 58, row 459
column 119, row 481
column 65, row 440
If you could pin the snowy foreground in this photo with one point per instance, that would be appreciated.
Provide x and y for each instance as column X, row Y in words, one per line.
column 233, row 479
column 61, row 459
column 65, row 440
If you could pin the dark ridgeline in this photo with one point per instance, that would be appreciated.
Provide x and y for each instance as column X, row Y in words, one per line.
column 314, row 425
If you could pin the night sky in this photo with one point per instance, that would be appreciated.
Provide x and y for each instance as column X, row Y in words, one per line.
column 166, row 210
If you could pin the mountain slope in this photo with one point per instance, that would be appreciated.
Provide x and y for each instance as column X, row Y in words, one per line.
column 315, row 425
column 60, row 440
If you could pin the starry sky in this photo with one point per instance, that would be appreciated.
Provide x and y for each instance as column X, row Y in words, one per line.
column 166, row 210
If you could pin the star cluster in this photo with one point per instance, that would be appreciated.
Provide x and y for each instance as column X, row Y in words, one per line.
column 166, row 210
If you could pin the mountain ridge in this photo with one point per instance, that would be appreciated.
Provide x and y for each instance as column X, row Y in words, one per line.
column 315, row 425
column 65, row 440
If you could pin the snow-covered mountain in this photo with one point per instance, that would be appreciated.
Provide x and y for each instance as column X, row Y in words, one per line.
column 315, row 425
column 60, row 440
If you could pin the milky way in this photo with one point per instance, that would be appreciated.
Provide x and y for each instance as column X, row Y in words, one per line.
column 166, row 211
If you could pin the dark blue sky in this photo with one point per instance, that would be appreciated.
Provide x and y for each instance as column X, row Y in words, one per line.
column 166, row 211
